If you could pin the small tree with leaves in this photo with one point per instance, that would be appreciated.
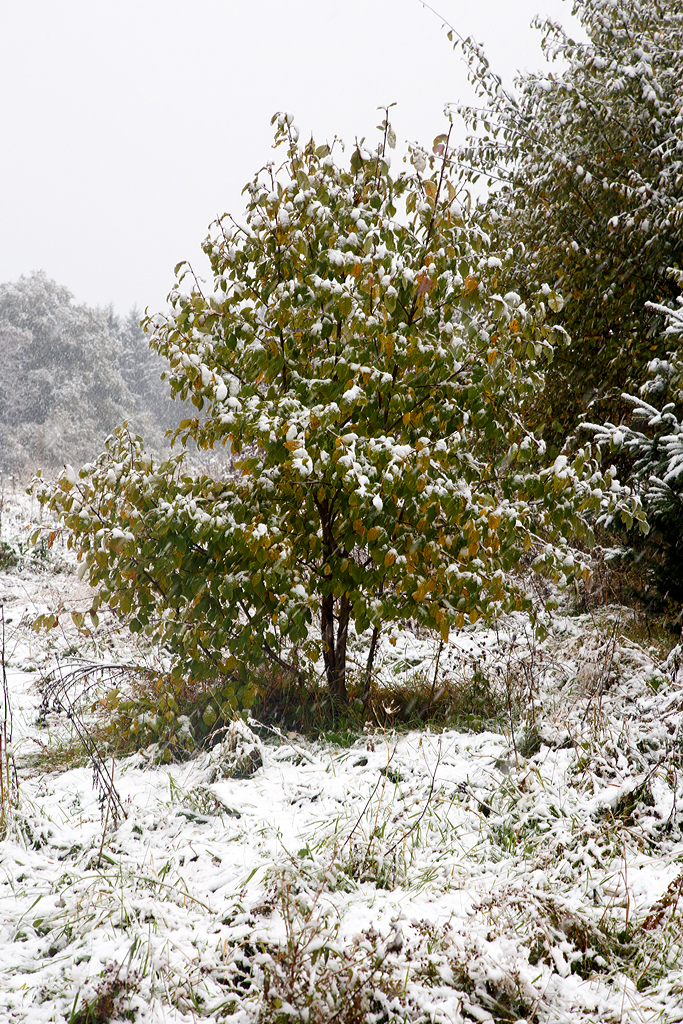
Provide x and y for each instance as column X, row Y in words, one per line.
column 367, row 376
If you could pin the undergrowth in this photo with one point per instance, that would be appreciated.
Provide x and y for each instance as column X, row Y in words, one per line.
column 125, row 708
column 109, row 1001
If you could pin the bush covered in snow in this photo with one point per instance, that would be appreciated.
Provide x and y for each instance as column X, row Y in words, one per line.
column 369, row 376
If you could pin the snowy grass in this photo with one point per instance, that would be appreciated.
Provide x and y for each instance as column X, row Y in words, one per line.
column 526, row 864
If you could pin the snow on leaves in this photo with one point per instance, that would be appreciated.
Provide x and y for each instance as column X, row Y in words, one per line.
column 368, row 378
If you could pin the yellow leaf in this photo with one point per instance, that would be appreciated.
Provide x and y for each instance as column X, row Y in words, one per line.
column 389, row 558
column 373, row 534
column 470, row 284
column 474, row 615
column 492, row 353
column 459, row 620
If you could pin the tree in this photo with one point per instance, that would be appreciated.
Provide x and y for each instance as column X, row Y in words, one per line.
column 61, row 392
column 588, row 163
column 152, row 410
column 367, row 376
column 69, row 373
column 655, row 456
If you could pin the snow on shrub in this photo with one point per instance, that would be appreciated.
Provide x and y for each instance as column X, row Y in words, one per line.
column 356, row 356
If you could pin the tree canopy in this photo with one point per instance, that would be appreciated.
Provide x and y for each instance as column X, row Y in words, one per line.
column 367, row 376
column 60, row 389
column 586, row 167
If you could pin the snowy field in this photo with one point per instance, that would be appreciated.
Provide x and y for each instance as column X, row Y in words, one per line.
column 531, row 874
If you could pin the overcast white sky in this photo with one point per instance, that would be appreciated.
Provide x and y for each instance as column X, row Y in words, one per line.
column 129, row 125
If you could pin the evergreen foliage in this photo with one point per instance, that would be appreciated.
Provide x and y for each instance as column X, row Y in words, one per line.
column 588, row 163
column 69, row 374
column 655, row 456
column 368, row 377
column 152, row 410
column 59, row 389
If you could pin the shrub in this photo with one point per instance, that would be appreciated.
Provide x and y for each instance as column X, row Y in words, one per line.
column 368, row 377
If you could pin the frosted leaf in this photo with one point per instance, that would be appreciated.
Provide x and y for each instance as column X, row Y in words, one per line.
column 419, row 162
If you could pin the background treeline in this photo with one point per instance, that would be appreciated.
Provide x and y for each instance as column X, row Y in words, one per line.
column 69, row 374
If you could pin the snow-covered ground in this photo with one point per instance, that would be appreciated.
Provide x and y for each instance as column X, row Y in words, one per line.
column 533, row 874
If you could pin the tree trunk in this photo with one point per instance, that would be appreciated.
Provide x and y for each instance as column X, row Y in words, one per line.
column 368, row 667
column 334, row 647
column 371, row 657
